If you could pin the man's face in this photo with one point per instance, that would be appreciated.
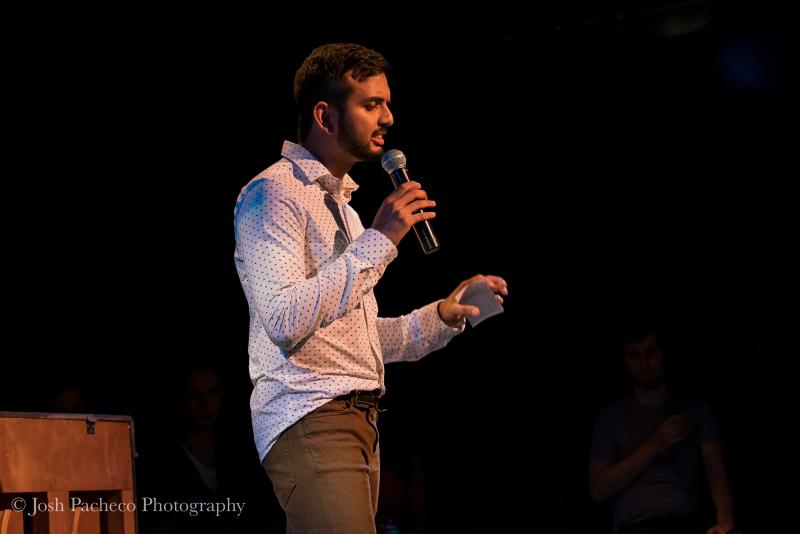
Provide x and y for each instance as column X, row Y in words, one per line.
column 202, row 397
column 365, row 118
column 645, row 363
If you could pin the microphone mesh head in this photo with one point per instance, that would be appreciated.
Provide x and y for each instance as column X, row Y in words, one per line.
column 392, row 160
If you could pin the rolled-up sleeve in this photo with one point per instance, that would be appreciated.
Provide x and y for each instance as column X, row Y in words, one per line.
column 412, row 336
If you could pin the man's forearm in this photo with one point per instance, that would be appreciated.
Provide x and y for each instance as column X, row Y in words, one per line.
column 718, row 481
column 721, row 495
column 609, row 480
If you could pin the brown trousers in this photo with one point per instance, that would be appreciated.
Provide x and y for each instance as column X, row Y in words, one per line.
column 325, row 470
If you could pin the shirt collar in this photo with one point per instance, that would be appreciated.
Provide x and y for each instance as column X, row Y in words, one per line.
column 314, row 171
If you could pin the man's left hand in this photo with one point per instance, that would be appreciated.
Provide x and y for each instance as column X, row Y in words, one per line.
column 453, row 313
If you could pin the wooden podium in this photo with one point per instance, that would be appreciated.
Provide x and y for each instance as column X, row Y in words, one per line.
column 66, row 474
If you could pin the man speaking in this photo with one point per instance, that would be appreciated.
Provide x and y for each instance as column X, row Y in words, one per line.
column 308, row 266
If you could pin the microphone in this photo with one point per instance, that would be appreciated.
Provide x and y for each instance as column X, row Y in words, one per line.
column 394, row 163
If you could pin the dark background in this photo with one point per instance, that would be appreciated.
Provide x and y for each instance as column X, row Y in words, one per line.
column 610, row 172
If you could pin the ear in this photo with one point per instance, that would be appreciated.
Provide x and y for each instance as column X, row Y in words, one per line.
column 325, row 117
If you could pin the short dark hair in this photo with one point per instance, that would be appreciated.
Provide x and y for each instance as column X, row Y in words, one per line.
column 637, row 333
column 321, row 77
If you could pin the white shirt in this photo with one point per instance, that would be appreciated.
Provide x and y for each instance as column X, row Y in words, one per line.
column 307, row 267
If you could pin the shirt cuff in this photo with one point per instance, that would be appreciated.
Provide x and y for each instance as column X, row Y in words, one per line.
column 373, row 247
column 444, row 329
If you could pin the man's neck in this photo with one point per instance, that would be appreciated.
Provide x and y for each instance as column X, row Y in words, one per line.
column 335, row 159
column 651, row 398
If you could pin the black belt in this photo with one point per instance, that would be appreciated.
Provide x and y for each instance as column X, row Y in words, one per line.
column 362, row 399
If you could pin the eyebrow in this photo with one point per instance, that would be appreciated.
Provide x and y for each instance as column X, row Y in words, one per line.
column 377, row 100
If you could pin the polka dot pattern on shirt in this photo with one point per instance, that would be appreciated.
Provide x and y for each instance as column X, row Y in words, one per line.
column 308, row 267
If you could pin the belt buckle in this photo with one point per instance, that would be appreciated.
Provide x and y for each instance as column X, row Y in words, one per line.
column 359, row 403
column 364, row 404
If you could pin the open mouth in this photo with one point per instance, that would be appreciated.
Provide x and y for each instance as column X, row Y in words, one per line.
column 378, row 140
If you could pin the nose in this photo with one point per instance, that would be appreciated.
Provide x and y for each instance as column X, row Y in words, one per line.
column 387, row 119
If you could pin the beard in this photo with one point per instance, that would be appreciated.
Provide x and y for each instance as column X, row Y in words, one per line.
column 349, row 140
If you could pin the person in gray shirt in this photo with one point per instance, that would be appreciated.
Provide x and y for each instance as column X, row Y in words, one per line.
column 648, row 452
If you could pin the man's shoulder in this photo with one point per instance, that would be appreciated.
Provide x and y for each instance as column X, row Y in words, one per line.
column 685, row 403
column 277, row 180
column 279, row 176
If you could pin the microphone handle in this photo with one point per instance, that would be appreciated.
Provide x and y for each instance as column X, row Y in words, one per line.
column 425, row 236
